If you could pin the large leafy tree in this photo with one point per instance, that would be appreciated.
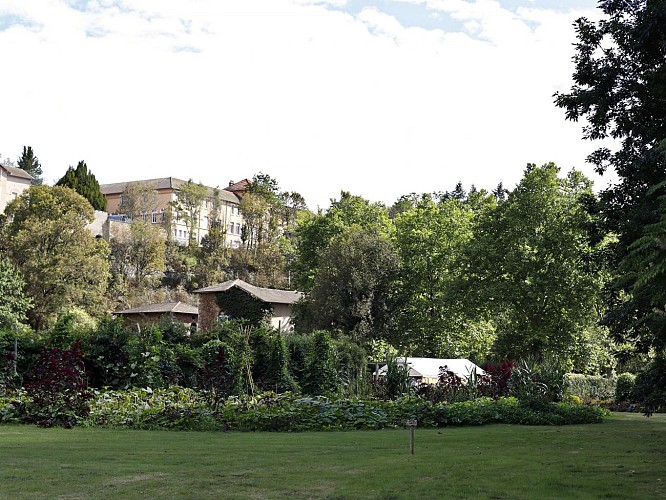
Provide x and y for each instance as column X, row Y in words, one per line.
column 314, row 232
column 431, row 237
column 620, row 89
column 30, row 163
column 62, row 263
column 531, row 265
column 14, row 303
column 83, row 181
column 354, row 289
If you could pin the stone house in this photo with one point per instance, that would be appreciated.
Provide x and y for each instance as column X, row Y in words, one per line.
column 13, row 181
column 278, row 302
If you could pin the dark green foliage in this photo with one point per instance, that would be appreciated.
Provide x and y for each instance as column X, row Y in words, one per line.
column 84, row 182
column 354, row 290
column 590, row 388
column 30, row 163
column 620, row 88
column 238, row 304
column 320, row 375
column 278, row 376
column 624, row 390
column 650, row 387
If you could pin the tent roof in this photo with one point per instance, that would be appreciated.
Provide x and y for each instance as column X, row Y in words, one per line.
column 429, row 367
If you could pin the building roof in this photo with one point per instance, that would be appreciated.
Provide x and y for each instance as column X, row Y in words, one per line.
column 270, row 295
column 17, row 172
column 164, row 308
column 164, row 183
column 429, row 367
column 240, row 186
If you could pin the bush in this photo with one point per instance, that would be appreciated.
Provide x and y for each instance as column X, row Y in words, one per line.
column 650, row 387
column 538, row 383
column 57, row 390
column 624, row 390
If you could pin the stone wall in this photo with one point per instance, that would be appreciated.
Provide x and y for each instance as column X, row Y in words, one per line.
column 208, row 311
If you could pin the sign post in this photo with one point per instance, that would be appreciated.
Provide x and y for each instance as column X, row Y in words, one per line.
column 411, row 425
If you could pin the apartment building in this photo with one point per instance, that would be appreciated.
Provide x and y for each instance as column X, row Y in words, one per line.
column 13, row 181
column 167, row 189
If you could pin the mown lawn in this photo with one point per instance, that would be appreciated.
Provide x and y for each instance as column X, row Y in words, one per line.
column 625, row 457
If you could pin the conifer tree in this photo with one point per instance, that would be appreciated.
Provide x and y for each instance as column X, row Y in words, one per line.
column 30, row 163
column 84, row 182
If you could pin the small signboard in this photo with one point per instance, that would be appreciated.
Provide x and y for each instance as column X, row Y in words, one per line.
column 412, row 422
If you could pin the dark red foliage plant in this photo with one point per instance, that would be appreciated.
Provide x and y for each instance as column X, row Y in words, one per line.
column 58, row 388
column 500, row 373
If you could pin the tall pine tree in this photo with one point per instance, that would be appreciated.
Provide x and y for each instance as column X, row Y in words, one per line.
column 30, row 163
column 84, row 182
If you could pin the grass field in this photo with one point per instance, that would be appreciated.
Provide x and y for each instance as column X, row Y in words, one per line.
column 625, row 457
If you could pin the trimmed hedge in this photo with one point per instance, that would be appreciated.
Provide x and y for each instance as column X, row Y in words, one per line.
column 591, row 387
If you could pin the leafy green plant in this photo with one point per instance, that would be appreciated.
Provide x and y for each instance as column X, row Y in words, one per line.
column 397, row 378
column 624, row 390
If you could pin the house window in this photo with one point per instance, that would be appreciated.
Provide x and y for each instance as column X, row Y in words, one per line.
column 231, row 227
column 154, row 217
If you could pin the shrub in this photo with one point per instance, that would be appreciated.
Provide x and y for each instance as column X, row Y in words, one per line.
column 538, row 384
column 57, row 389
column 624, row 390
column 501, row 374
column 650, row 387
column 320, row 377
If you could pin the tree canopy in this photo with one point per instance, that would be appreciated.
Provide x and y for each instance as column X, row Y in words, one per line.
column 84, row 182
column 62, row 263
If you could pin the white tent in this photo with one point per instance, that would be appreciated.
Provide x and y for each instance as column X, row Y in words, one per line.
column 427, row 369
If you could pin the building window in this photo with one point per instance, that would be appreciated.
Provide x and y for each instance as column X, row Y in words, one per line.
column 154, row 217
column 231, row 227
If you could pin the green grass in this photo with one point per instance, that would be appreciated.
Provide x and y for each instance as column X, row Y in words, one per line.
column 625, row 457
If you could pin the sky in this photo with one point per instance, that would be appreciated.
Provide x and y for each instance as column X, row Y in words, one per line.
column 380, row 97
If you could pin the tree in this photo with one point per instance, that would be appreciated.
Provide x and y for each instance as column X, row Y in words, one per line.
column 188, row 204
column 138, row 254
column 138, row 200
column 30, row 163
column 84, row 182
column 531, row 266
column 14, row 304
column 354, row 289
column 620, row 89
column 430, row 238
column 314, row 232
column 643, row 273
column 63, row 264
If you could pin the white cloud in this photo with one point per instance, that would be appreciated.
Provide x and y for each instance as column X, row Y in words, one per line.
column 320, row 99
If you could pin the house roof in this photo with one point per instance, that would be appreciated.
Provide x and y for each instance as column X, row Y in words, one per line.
column 241, row 186
column 429, row 367
column 164, row 308
column 164, row 183
column 270, row 295
column 16, row 172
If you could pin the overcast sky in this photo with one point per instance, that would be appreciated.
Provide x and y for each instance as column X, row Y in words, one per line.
column 379, row 97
